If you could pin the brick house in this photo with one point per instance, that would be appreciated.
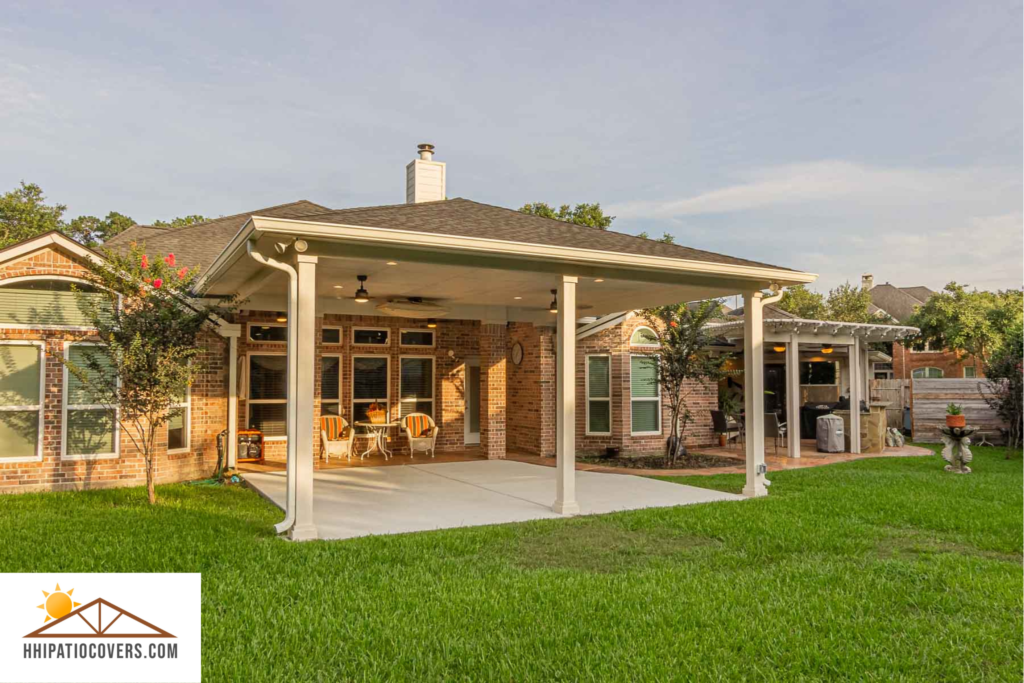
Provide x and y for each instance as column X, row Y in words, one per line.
column 899, row 303
column 462, row 311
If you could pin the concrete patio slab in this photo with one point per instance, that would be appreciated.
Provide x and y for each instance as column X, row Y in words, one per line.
column 389, row 500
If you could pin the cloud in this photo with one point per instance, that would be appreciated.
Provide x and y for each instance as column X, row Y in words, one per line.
column 820, row 182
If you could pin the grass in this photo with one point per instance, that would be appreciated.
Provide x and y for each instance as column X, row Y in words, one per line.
column 883, row 569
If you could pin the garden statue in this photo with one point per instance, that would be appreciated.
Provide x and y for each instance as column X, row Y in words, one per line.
column 956, row 451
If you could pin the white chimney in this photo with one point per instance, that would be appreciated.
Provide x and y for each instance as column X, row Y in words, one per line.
column 424, row 177
column 867, row 281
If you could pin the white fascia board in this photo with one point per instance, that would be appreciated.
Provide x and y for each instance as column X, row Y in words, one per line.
column 525, row 250
column 603, row 323
column 54, row 239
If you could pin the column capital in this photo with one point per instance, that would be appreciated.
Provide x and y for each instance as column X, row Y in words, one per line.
column 306, row 258
column 568, row 279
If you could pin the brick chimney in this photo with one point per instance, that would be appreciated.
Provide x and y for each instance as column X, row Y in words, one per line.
column 424, row 177
column 867, row 281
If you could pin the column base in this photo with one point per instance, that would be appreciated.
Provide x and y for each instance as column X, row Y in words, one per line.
column 566, row 508
column 758, row 490
column 306, row 532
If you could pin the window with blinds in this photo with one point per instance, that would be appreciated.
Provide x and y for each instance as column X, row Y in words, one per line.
column 50, row 303
column 268, row 391
column 178, row 424
column 369, row 385
column 643, row 336
column 21, row 401
column 645, row 395
column 599, row 395
column 416, row 386
column 330, row 385
column 90, row 424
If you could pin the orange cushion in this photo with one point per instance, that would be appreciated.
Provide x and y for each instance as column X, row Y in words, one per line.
column 334, row 426
column 418, row 425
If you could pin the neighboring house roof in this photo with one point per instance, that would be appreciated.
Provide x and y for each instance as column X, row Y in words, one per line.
column 199, row 244
column 899, row 302
column 769, row 312
column 465, row 218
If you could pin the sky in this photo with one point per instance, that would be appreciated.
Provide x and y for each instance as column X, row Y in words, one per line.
column 836, row 138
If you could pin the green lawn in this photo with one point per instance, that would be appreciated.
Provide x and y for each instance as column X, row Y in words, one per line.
column 873, row 570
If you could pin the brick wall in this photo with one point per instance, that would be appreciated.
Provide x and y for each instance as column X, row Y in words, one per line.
column 531, row 390
column 493, row 361
column 904, row 361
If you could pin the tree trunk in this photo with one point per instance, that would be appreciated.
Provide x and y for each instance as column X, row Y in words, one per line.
column 150, row 466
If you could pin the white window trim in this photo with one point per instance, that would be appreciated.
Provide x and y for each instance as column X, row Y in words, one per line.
column 643, row 346
column 352, row 384
column 65, row 328
column 88, row 406
column 973, row 369
column 927, row 349
column 926, row 368
column 28, row 408
column 433, row 338
column 433, row 386
column 257, row 401
column 187, row 405
column 661, row 426
column 248, row 333
column 341, row 335
column 586, row 390
column 386, row 345
column 341, row 380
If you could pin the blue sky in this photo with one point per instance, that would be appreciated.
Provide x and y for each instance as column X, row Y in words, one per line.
column 839, row 138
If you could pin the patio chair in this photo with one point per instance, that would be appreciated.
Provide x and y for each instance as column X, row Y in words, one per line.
column 421, row 432
column 336, row 437
column 774, row 428
column 720, row 423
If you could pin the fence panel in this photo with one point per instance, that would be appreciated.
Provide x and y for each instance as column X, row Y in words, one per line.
column 931, row 396
column 895, row 392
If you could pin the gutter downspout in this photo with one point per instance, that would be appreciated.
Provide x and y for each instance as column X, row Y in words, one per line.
column 293, row 366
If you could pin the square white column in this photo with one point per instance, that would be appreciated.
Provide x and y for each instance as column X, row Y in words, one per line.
column 565, row 429
column 753, row 394
column 793, row 396
column 232, row 445
column 305, row 351
column 856, row 394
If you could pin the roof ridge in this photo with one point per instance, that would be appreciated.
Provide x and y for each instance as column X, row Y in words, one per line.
column 239, row 215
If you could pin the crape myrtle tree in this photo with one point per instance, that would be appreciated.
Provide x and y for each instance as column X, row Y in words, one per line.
column 1004, row 389
column 148, row 326
column 684, row 361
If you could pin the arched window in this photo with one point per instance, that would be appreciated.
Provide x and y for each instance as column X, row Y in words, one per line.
column 643, row 336
column 927, row 373
column 45, row 301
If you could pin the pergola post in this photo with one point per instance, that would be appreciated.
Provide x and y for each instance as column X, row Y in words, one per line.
column 753, row 393
column 855, row 394
column 305, row 350
column 565, row 425
column 793, row 396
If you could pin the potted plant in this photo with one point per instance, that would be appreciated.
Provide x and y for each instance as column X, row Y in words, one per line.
column 955, row 416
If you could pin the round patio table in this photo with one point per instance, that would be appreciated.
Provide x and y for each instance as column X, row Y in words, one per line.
column 379, row 432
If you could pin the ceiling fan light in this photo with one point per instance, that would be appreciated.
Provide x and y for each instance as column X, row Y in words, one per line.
column 281, row 317
column 553, row 308
column 779, row 348
column 826, row 348
column 362, row 296
column 431, row 323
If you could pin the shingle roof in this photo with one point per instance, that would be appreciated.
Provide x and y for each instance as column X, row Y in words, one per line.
column 899, row 302
column 769, row 312
column 466, row 218
column 922, row 294
column 199, row 244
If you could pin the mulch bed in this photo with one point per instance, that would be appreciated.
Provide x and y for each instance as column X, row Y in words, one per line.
column 693, row 461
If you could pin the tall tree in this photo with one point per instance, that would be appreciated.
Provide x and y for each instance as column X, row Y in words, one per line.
column 581, row 214
column 1004, row 388
column 667, row 238
column 969, row 322
column 92, row 231
column 803, row 303
column 182, row 221
column 849, row 304
column 24, row 213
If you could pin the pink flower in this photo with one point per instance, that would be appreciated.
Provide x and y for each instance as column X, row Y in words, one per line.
column 157, row 283
column 145, row 262
column 182, row 273
column 169, row 260
column 673, row 324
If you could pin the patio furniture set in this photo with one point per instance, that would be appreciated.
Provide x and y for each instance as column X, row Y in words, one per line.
column 337, row 437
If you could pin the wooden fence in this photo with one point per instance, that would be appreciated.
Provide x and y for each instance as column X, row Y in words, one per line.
column 931, row 396
column 895, row 392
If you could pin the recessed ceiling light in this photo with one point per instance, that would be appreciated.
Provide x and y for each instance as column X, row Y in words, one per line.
column 338, row 286
column 599, row 280
column 517, row 298
column 392, row 263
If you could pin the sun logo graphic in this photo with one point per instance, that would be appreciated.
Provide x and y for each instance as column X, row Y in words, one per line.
column 58, row 603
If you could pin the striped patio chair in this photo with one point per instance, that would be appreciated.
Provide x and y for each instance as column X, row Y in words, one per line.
column 421, row 432
column 336, row 437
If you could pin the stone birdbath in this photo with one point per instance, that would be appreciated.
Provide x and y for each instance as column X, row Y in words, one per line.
column 956, row 451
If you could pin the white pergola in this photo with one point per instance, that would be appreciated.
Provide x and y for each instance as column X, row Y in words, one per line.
column 294, row 265
column 755, row 332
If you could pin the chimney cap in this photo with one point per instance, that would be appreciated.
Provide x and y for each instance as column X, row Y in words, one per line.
column 426, row 151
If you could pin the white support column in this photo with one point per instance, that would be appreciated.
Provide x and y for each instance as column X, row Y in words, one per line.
column 856, row 385
column 305, row 351
column 753, row 393
column 865, row 369
column 232, row 445
column 565, row 430
column 793, row 395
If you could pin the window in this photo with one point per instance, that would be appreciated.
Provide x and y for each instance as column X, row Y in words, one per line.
column 21, row 401
column 331, row 335
column 416, row 386
column 643, row 336
column 927, row 348
column 179, row 424
column 970, row 371
column 268, row 390
column 819, row 372
column 48, row 302
column 268, row 332
column 423, row 338
column 330, row 385
column 371, row 336
column 599, row 395
column 883, row 371
column 369, row 385
column 90, row 426
column 927, row 373
column 645, row 395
